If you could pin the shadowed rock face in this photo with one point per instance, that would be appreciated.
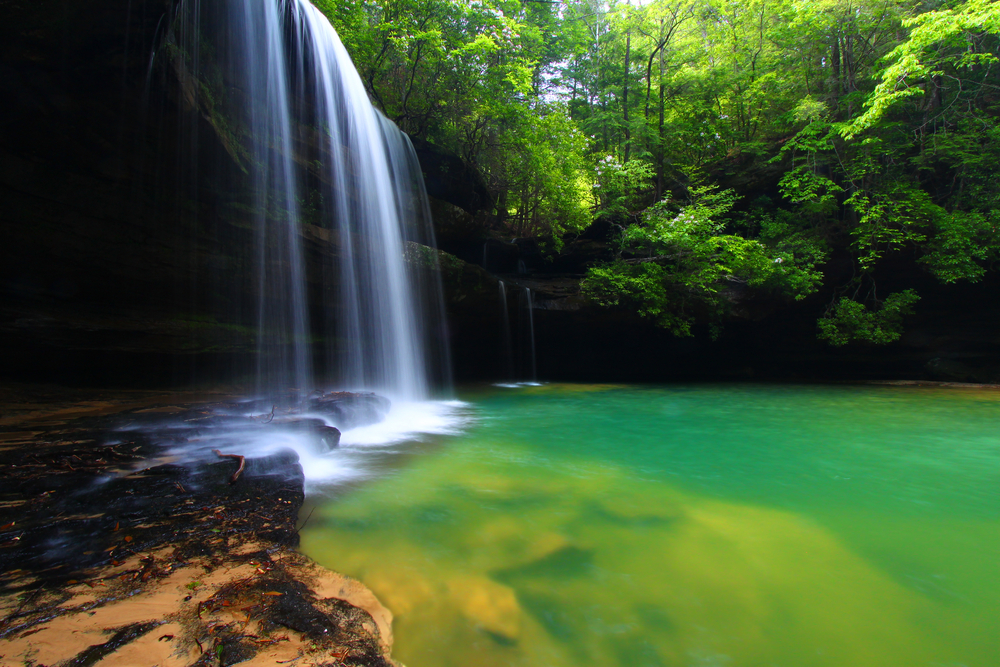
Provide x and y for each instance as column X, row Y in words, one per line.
column 448, row 178
column 105, row 250
column 128, row 251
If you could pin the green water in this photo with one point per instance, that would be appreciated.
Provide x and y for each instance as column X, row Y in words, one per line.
column 601, row 526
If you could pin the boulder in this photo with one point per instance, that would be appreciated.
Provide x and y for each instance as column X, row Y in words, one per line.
column 351, row 410
column 327, row 437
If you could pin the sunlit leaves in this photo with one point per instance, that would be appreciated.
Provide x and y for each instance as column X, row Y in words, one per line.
column 937, row 40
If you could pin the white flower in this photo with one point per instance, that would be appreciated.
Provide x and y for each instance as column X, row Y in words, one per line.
column 778, row 260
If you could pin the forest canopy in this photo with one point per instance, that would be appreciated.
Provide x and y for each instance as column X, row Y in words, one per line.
column 728, row 144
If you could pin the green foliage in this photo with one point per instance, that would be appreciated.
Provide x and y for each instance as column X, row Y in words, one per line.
column 549, row 183
column 805, row 185
column 850, row 321
column 685, row 265
column 962, row 243
column 947, row 41
column 877, row 122
column 621, row 188
column 890, row 219
column 466, row 76
column 643, row 285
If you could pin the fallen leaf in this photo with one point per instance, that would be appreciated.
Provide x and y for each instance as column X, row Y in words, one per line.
column 128, row 538
column 272, row 593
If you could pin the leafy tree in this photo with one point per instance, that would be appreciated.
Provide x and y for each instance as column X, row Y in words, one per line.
column 849, row 320
column 680, row 264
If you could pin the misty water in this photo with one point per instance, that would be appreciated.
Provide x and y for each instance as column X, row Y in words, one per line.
column 685, row 525
column 370, row 313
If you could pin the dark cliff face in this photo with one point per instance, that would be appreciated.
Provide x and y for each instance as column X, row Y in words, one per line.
column 128, row 244
column 69, row 252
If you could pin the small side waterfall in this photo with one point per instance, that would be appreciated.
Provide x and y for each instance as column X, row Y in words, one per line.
column 528, row 328
column 531, row 334
column 277, row 86
column 507, row 349
column 518, row 343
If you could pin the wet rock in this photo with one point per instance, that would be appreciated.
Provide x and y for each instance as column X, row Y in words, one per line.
column 326, row 437
column 182, row 545
column 67, row 507
column 447, row 177
column 952, row 370
column 500, row 256
column 351, row 410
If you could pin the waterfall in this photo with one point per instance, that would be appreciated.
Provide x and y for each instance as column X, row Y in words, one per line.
column 284, row 356
column 507, row 350
column 531, row 334
column 382, row 327
column 526, row 367
column 275, row 82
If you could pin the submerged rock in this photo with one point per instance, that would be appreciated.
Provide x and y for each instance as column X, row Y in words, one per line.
column 490, row 605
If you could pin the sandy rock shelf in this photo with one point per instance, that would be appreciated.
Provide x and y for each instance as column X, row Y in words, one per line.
column 104, row 562
column 256, row 608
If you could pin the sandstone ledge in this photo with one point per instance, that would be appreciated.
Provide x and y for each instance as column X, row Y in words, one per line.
column 104, row 562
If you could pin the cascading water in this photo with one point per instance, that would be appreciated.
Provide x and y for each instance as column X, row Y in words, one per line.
column 521, row 362
column 507, row 350
column 302, row 125
column 284, row 356
column 382, row 329
column 531, row 333
column 343, row 266
column 531, row 370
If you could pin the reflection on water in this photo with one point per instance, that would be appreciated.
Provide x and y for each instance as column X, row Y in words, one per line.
column 689, row 526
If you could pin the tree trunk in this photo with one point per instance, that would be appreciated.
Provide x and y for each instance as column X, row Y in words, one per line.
column 660, row 142
column 628, row 134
